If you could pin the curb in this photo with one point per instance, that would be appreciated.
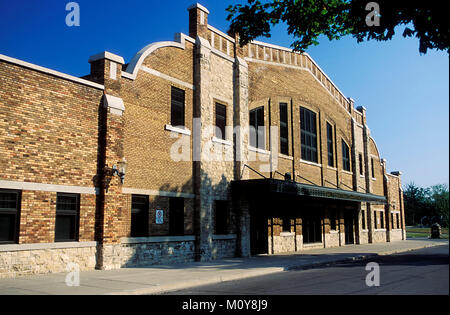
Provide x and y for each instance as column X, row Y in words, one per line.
column 265, row 271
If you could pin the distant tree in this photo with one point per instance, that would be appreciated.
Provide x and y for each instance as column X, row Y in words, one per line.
column 308, row 19
column 430, row 203
column 439, row 198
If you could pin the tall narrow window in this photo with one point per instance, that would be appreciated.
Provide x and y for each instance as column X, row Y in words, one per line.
column 363, row 218
column 177, row 107
column 345, row 157
column 257, row 131
column 375, row 223
column 392, row 221
column 397, row 216
column 330, row 145
column 67, row 214
column 139, row 216
column 222, row 217
column 361, row 170
column 382, row 219
column 9, row 216
column 373, row 168
column 333, row 219
column 284, row 129
column 308, row 126
column 221, row 120
column 176, row 216
column 286, row 224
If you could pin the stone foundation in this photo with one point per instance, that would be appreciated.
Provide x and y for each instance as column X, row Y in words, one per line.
column 32, row 259
column 224, row 246
column 364, row 237
column 332, row 239
column 134, row 252
column 379, row 236
column 396, row 235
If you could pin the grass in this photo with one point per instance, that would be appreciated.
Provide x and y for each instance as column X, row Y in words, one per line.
column 414, row 232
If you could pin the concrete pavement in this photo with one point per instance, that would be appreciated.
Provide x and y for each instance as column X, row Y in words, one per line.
column 164, row 278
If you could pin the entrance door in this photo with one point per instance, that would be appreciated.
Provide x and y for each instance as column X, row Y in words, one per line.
column 349, row 221
column 312, row 227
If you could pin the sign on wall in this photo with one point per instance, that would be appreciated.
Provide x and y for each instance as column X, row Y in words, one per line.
column 159, row 216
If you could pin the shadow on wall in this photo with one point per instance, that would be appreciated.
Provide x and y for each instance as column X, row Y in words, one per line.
column 186, row 216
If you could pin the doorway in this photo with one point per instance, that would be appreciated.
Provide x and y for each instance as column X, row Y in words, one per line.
column 349, row 225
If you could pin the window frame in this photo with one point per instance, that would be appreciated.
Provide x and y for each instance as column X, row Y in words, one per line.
column 346, row 162
column 361, row 169
column 176, row 228
column 260, row 130
column 16, row 212
column 140, row 228
column 218, row 117
column 177, row 121
column 330, row 145
column 73, row 213
column 221, row 227
column 284, row 128
column 308, row 133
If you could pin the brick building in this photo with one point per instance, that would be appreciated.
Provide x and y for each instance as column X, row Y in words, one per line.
column 196, row 149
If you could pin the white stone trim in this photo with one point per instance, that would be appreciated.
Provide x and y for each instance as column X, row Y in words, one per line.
column 347, row 172
column 221, row 141
column 152, row 192
column 287, row 234
column 30, row 186
column 284, row 156
column 167, row 77
column 51, row 72
column 257, row 150
column 107, row 55
column 334, row 232
column 45, row 246
column 114, row 104
column 157, row 239
column 182, row 131
column 221, row 54
column 136, row 63
column 215, row 30
column 310, row 163
column 224, row 236
column 332, row 168
column 379, row 230
column 199, row 6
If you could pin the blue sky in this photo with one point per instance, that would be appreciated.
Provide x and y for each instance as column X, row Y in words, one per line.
column 406, row 94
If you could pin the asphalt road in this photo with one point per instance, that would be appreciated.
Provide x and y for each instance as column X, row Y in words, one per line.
column 421, row 272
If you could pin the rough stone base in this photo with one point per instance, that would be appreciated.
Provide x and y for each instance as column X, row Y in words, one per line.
column 364, row 237
column 332, row 240
column 284, row 243
column 224, row 248
column 379, row 237
column 25, row 262
column 396, row 235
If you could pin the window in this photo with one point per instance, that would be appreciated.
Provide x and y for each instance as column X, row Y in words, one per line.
column 221, row 120
column 67, row 213
column 361, row 171
column 286, row 224
column 176, row 216
column 308, row 135
column 257, row 131
column 345, row 157
column 398, row 220
column 139, row 216
column 311, row 228
column 375, row 223
column 177, row 107
column 9, row 215
column 221, row 224
column 284, row 129
column 392, row 221
column 330, row 145
column 373, row 168
column 363, row 213
column 382, row 219
column 333, row 220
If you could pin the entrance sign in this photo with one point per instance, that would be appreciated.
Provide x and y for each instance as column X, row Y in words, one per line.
column 159, row 216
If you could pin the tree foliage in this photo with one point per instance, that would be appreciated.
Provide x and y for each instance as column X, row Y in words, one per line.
column 308, row 19
column 426, row 205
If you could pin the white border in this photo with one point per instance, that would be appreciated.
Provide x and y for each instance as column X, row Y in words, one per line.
column 30, row 186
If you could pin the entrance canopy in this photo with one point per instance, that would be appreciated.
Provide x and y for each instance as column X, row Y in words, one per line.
column 264, row 186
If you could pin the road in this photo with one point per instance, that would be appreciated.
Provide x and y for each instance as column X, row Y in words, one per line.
column 419, row 272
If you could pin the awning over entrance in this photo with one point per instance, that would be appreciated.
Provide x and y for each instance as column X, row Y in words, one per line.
column 264, row 186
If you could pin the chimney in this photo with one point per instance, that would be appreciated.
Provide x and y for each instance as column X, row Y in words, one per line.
column 198, row 21
column 106, row 69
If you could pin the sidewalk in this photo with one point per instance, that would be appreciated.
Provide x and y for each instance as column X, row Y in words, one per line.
column 163, row 278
